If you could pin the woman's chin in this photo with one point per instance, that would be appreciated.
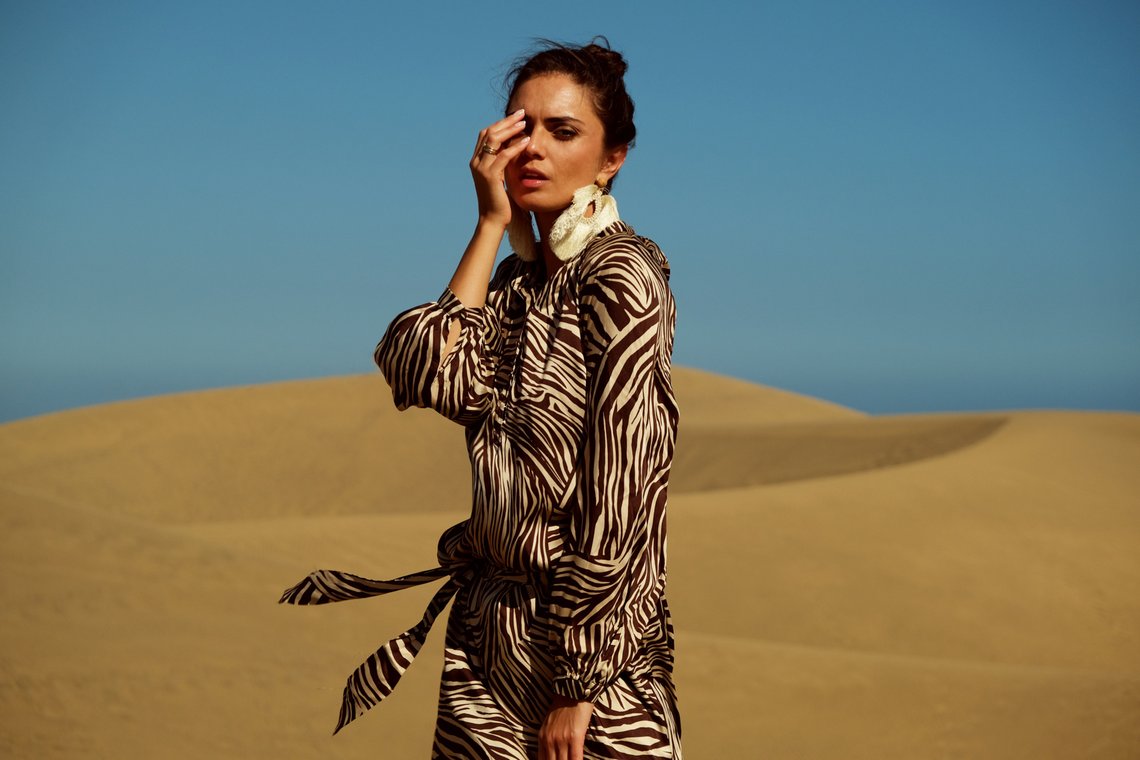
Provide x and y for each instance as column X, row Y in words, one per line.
column 536, row 204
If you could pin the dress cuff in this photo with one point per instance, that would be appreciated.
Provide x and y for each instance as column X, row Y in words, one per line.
column 583, row 687
column 572, row 688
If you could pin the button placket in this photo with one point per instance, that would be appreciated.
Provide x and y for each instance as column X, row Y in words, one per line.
column 512, row 333
column 500, row 418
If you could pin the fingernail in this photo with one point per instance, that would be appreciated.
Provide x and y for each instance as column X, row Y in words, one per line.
column 516, row 113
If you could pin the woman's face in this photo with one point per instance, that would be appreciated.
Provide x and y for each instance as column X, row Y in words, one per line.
column 567, row 147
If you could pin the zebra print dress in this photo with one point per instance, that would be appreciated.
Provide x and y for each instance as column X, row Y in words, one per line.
column 558, row 576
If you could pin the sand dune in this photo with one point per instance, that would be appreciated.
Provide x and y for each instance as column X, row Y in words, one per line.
column 844, row 586
column 711, row 458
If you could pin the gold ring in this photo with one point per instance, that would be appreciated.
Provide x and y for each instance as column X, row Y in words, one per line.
column 489, row 150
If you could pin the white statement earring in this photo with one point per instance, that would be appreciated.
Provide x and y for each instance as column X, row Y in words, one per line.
column 574, row 229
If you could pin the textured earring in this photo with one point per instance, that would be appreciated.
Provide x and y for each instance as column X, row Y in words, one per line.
column 573, row 229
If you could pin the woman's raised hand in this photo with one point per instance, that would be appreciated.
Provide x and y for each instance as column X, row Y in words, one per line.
column 495, row 148
column 498, row 144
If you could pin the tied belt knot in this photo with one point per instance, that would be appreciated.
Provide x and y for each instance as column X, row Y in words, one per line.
column 378, row 675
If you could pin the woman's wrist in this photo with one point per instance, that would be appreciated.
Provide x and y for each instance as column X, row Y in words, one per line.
column 488, row 234
column 559, row 700
column 488, row 223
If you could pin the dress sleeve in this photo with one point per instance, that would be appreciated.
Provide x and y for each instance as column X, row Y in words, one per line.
column 410, row 355
column 612, row 570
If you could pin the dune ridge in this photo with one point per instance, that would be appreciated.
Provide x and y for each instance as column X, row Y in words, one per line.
column 711, row 458
column 950, row 585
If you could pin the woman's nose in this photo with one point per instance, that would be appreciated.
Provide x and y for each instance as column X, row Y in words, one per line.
column 535, row 148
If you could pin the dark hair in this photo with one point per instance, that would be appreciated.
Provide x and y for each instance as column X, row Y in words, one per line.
column 594, row 66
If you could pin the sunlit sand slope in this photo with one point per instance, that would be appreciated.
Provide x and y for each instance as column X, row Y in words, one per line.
column 844, row 586
column 983, row 603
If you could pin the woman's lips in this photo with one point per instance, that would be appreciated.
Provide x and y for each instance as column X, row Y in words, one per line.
column 532, row 179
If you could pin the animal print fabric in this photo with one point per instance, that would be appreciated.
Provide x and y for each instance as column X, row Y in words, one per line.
column 558, row 575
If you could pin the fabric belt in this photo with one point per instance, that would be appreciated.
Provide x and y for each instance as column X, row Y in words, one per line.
column 378, row 675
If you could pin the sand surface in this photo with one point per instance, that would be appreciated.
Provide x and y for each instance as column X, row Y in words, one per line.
column 844, row 586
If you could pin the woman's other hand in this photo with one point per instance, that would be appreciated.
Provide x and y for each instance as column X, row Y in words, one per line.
column 563, row 733
column 494, row 149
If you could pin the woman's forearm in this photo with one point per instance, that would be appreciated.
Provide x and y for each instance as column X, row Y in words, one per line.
column 469, row 283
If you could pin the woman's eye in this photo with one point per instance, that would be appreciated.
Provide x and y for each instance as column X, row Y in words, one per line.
column 564, row 134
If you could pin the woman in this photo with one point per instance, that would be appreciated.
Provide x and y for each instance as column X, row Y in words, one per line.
column 559, row 643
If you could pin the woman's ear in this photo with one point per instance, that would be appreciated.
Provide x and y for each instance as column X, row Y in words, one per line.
column 614, row 160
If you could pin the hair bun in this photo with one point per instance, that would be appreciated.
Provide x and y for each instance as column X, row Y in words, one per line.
column 606, row 57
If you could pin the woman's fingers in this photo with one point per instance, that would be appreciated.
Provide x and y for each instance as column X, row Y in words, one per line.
column 494, row 144
column 496, row 147
column 559, row 749
column 499, row 133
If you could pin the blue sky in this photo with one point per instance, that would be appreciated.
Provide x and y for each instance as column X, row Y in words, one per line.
column 898, row 206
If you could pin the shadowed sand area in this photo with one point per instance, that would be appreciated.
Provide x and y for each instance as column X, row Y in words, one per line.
column 844, row 586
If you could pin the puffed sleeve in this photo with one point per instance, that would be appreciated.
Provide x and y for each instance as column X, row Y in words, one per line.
column 606, row 587
column 410, row 355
